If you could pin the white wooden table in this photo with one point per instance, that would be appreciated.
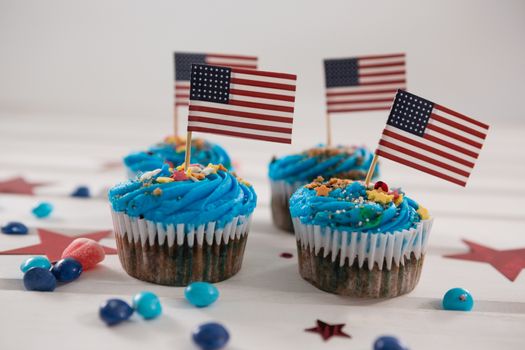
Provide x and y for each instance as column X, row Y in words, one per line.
column 267, row 305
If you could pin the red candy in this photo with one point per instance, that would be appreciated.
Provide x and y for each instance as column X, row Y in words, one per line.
column 179, row 176
column 383, row 186
column 86, row 251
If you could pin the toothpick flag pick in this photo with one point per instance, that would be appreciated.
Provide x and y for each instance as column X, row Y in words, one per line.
column 183, row 62
column 359, row 84
column 432, row 138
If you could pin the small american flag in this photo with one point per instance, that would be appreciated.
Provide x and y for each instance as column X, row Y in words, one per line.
column 432, row 138
column 242, row 102
column 367, row 83
column 184, row 60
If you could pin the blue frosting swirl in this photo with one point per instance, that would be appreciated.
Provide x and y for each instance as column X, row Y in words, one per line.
column 342, row 162
column 202, row 152
column 218, row 196
column 350, row 206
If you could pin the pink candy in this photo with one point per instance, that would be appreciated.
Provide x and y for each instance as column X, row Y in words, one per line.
column 87, row 251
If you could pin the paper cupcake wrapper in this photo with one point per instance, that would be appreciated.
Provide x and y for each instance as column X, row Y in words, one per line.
column 143, row 231
column 281, row 193
column 374, row 248
column 177, row 255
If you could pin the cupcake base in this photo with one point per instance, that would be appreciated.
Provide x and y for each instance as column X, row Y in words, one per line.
column 281, row 213
column 327, row 274
column 180, row 265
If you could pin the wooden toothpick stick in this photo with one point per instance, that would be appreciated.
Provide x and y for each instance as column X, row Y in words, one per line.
column 188, row 151
column 175, row 121
column 371, row 170
column 328, row 130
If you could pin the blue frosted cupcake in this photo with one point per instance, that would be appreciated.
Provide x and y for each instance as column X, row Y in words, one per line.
column 172, row 152
column 289, row 173
column 358, row 241
column 174, row 227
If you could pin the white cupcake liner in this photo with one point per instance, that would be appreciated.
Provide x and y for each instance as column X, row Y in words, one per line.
column 283, row 188
column 391, row 247
column 146, row 231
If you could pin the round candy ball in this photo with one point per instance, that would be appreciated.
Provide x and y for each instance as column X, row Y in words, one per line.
column 39, row 279
column 15, row 228
column 86, row 251
column 114, row 311
column 81, row 192
column 67, row 270
column 43, row 210
column 147, row 305
column 388, row 342
column 201, row 294
column 211, row 336
column 35, row 261
column 458, row 299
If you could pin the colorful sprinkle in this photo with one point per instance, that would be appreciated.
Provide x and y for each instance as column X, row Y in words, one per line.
column 43, row 210
column 379, row 196
column 15, row 228
column 322, row 190
column 381, row 185
column 423, row 213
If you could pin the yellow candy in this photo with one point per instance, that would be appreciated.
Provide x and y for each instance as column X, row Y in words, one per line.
column 399, row 200
column 423, row 213
column 164, row 180
column 157, row 192
column 379, row 196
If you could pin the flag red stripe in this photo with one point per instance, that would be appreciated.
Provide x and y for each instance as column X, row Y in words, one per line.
column 424, row 158
column 454, row 135
column 335, row 93
column 380, row 65
column 385, row 82
column 374, row 57
column 262, row 95
column 241, row 114
column 461, row 116
column 192, row 118
column 261, row 106
column 359, row 101
column 359, row 109
column 240, row 66
column 182, row 96
column 379, row 74
column 428, row 148
column 458, row 126
column 420, row 167
column 234, row 57
column 451, row 145
column 240, row 134
column 181, row 103
column 187, row 87
column 263, row 84
column 266, row 74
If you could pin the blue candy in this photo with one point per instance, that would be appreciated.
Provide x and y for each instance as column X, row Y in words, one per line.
column 201, row 294
column 35, row 261
column 67, row 270
column 114, row 311
column 81, row 192
column 388, row 343
column 43, row 210
column 39, row 279
column 15, row 228
column 211, row 336
column 458, row 299
column 147, row 305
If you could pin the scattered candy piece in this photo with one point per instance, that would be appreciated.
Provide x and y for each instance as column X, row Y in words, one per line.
column 179, row 175
column 147, row 305
column 114, row 311
column 39, row 279
column 201, row 294
column 286, row 255
column 43, row 210
column 81, row 192
column 15, row 228
column 35, row 261
column 67, row 270
column 383, row 186
column 458, row 299
column 86, row 251
column 211, row 336
column 388, row 343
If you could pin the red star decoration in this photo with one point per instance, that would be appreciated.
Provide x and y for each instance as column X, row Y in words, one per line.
column 18, row 185
column 53, row 244
column 508, row 262
column 328, row 331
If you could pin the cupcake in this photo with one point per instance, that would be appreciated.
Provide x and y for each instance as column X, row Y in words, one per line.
column 174, row 227
column 172, row 152
column 359, row 241
column 289, row 173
